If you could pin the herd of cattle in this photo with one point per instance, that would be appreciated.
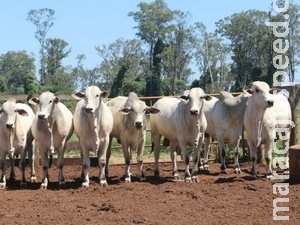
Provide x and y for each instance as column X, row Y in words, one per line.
column 184, row 121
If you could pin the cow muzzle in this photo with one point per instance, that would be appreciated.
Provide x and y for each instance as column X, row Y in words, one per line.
column 138, row 125
column 41, row 116
column 89, row 110
column 9, row 126
column 270, row 103
column 194, row 112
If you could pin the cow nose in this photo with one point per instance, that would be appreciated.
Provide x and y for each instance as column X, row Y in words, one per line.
column 88, row 109
column 194, row 112
column 270, row 103
column 9, row 125
column 138, row 124
column 41, row 116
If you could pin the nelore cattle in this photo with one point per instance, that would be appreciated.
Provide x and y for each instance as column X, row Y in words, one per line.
column 16, row 138
column 130, row 128
column 266, row 115
column 228, row 116
column 51, row 128
column 93, row 123
column 183, row 122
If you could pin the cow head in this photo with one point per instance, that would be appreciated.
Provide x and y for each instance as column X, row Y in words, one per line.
column 135, row 110
column 261, row 94
column 195, row 97
column 9, row 111
column 92, row 98
column 46, row 104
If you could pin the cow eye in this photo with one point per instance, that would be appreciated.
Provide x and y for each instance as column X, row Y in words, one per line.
column 50, row 101
column 97, row 96
column 256, row 90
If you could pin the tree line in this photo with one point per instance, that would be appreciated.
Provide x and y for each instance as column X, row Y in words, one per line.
column 159, row 60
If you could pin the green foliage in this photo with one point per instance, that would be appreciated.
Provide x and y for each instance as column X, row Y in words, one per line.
column 30, row 85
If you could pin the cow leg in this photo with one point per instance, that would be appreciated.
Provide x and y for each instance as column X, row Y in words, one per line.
column 156, row 149
column 60, row 165
column 102, row 160
column 173, row 155
column 45, row 165
column 186, row 160
column 12, row 175
column 196, row 158
column 222, row 151
column 3, row 167
column 268, row 157
column 85, row 166
column 22, row 168
column 31, row 157
column 253, row 155
column 237, row 168
column 127, row 157
column 140, row 154
column 207, row 143
column 108, row 156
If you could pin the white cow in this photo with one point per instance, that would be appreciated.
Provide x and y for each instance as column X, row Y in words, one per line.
column 16, row 138
column 183, row 123
column 52, row 127
column 265, row 115
column 228, row 116
column 130, row 129
column 93, row 123
column 210, row 132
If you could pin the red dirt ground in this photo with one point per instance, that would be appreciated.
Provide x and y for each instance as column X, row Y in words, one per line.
column 216, row 199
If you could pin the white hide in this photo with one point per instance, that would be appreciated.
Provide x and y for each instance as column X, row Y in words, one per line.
column 183, row 123
column 130, row 128
column 16, row 138
column 228, row 116
column 93, row 123
column 265, row 114
column 52, row 127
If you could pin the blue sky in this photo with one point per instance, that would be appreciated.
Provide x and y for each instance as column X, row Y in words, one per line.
column 89, row 23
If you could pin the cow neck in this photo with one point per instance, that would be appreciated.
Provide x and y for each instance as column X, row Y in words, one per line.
column 258, row 118
column 11, row 142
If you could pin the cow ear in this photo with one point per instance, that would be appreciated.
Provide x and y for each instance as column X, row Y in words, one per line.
column 152, row 110
column 78, row 95
column 56, row 100
column 274, row 90
column 125, row 110
column 250, row 91
column 34, row 101
column 21, row 112
column 207, row 97
column 184, row 97
column 104, row 94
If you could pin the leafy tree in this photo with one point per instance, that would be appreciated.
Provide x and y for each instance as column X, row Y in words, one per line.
column 43, row 20
column 30, row 85
column 124, row 62
column 14, row 67
column 55, row 51
column 248, row 35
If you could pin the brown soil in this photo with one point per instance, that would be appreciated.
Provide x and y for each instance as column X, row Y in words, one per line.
column 216, row 199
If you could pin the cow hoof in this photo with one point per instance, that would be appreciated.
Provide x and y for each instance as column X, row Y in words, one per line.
column 269, row 177
column 237, row 170
column 2, row 186
column 62, row 184
column 223, row 172
column 286, row 172
column 188, row 179
column 43, row 186
column 142, row 179
column 252, row 176
column 201, row 168
column 127, row 180
column 206, row 167
column 33, row 180
column 23, row 185
column 195, row 179
column 103, row 183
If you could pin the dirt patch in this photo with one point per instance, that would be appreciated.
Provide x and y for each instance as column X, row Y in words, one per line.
column 216, row 199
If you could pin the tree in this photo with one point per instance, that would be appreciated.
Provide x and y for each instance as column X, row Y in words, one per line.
column 55, row 51
column 124, row 62
column 43, row 20
column 14, row 67
column 248, row 35
column 30, row 85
